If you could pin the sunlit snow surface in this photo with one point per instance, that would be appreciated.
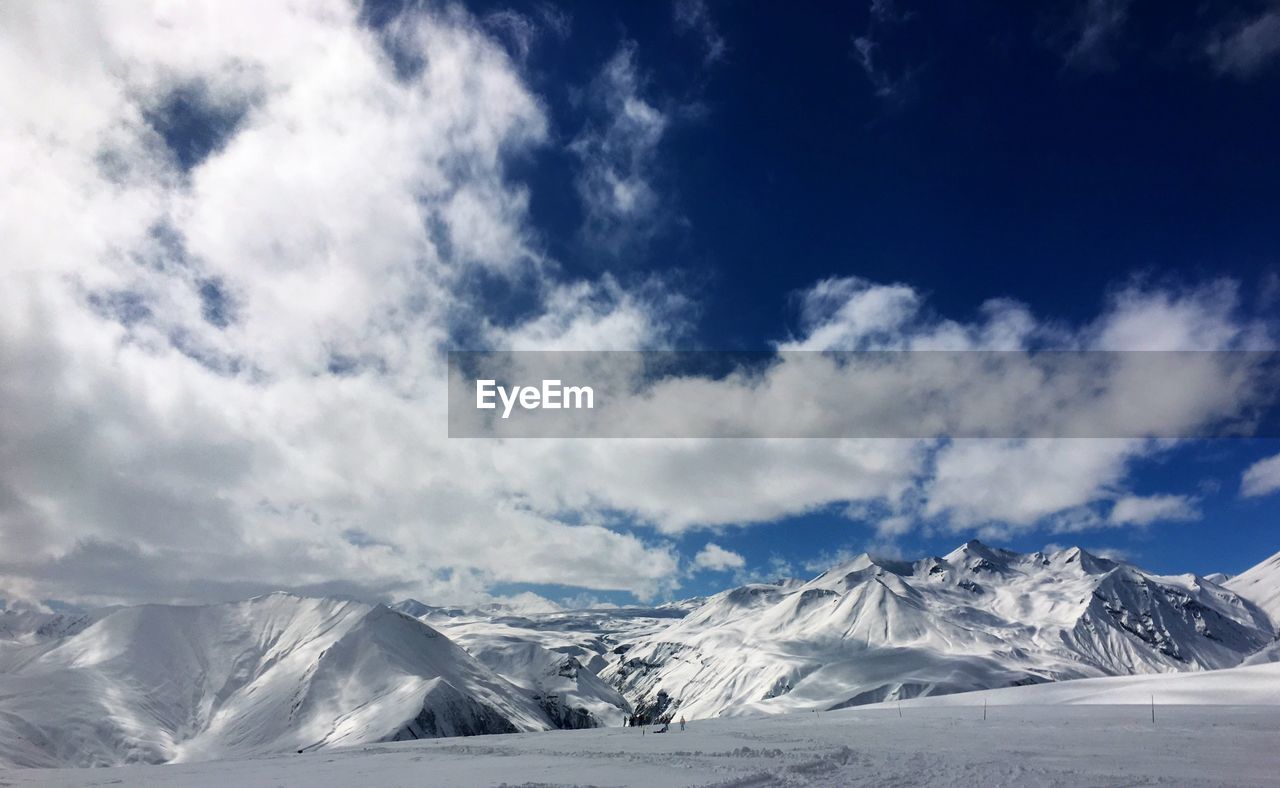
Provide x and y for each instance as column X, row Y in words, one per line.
column 336, row 680
column 1031, row 736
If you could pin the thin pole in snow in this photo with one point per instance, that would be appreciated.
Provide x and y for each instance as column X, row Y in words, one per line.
column 899, row 710
column 1153, row 709
column 984, row 709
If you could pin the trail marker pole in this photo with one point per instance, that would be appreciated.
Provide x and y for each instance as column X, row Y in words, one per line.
column 899, row 710
column 1153, row 709
column 984, row 709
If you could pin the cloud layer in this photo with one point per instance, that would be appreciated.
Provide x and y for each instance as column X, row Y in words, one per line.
column 222, row 358
column 240, row 238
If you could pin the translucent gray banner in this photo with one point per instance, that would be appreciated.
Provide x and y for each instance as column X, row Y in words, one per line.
column 872, row 394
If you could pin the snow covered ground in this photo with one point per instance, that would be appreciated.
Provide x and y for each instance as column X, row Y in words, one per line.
column 1031, row 736
column 1245, row 686
column 1041, row 745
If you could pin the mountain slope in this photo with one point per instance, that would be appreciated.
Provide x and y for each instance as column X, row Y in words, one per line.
column 1241, row 686
column 1261, row 586
column 980, row 617
column 277, row 673
column 553, row 656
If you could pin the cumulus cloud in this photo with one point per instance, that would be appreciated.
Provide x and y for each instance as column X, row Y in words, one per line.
column 1017, row 483
column 1011, row 485
column 1144, row 510
column 1261, row 478
column 222, row 356
column 240, row 237
column 718, row 559
column 998, row 485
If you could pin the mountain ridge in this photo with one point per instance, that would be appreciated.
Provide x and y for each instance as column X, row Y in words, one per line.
column 281, row 672
column 976, row 618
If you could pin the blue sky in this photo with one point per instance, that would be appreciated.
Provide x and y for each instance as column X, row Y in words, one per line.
column 248, row 235
column 988, row 150
column 996, row 164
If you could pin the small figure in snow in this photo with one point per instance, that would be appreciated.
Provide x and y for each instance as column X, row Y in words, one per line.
column 681, row 722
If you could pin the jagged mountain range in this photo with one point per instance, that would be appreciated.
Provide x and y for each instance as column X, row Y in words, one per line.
column 282, row 673
column 980, row 617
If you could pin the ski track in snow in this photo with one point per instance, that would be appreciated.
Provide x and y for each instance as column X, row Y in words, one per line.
column 1100, row 745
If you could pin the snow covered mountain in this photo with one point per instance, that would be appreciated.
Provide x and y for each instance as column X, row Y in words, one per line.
column 980, row 617
column 273, row 674
column 555, row 657
column 30, row 626
column 1261, row 586
column 281, row 673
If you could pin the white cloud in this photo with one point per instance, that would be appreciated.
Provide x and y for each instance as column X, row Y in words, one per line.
column 1261, row 478
column 221, row 371
column 1021, row 482
column 1144, row 510
column 897, row 525
column 1247, row 48
column 617, row 153
column 150, row 453
column 522, row 31
column 1112, row 553
column 718, row 559
column 527, row 603
column 692, row 16
column 869, row 51
column 1015, row 485
column 1094, row 33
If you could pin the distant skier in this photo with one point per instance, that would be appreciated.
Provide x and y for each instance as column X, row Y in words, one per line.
column 681, row 722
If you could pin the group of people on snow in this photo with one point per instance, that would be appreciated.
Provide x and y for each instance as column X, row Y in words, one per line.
column 640, row 720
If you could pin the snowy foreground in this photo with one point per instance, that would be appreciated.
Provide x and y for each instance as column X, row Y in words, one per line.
column 1078, row 745
column 1089, row 732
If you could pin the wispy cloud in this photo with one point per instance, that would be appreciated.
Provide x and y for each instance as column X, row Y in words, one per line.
column 1093, row 34
column 1247, row 47
column 869, row 52
column 521, row 31
column 692, row 16
column 617, row 153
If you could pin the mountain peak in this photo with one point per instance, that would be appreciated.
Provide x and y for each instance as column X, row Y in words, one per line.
column 1088, row 562
column 857, row 563
column 977, row 549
